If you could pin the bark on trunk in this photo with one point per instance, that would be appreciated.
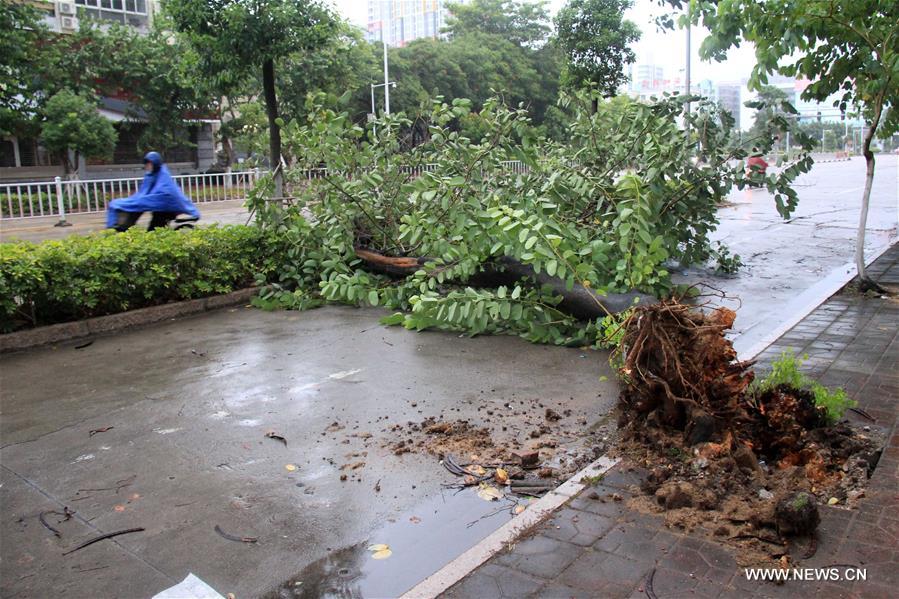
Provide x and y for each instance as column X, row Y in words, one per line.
column 864, row 283
column 271, row 108
column 581, row 302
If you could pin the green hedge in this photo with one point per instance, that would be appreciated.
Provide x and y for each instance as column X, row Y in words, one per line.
column 80, row 277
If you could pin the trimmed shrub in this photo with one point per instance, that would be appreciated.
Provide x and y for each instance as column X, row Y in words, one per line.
column 105, row 273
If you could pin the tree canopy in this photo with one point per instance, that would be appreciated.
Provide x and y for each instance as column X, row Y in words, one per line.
column 519, row 22
column 595, row 39
column 71, row 122
column 237, row 39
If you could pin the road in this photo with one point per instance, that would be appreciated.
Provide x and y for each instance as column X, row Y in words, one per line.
column 783, row 259
column 186, row 405
column 38, row 228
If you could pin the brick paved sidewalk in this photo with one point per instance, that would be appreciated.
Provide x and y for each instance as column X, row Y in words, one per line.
column 596, row 547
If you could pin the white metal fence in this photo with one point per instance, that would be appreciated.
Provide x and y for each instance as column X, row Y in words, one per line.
column 63, row 197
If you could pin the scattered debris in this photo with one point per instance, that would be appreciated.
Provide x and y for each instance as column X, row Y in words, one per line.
column 501, row 475
column 529, row 459
column 100, row 430
column 353, row 466
column 290, row 467
column 103, row 537
column 276, row 437
column 334, row 427
column 378, row 486
column 230, row 537
column 380, row 551
column 66, row 513
column 488, row 492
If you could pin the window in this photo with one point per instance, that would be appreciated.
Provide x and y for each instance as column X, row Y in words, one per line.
column 7, row 153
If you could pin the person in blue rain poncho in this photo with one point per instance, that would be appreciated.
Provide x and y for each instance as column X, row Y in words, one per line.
column 158, row 193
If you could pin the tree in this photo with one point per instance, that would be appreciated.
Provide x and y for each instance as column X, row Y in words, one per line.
column 20, row 33
column 845, row 48
column 518, row 22
column 345, row 62
column 71, row 122
column 239, row 38
column 595, row 39
column 770, row 105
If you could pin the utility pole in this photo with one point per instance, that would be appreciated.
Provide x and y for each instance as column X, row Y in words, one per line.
column 689, row 27
column 386, row 77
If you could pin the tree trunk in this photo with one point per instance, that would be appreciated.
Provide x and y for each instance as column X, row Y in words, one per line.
column 581, row 302
column 864, row 283
column 274, row 141
column 594, row 106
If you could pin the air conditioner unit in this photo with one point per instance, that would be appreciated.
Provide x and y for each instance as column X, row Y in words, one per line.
column 67, row 8
column 68, row 23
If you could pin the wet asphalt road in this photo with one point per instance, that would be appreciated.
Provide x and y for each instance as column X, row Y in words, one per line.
column 190, row 401
column 783, row 259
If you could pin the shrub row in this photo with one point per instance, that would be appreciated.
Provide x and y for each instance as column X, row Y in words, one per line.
column 104, row 273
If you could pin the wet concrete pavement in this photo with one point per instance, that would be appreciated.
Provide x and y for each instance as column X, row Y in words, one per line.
column 189, row 403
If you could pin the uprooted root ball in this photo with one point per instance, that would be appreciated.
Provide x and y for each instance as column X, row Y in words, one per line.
column 719, row 455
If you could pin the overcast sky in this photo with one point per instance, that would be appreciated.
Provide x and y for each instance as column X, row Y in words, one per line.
column 664, row 49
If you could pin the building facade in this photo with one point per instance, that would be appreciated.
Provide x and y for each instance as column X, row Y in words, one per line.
column 398, row 22
column 728, row 96
column 25, row 159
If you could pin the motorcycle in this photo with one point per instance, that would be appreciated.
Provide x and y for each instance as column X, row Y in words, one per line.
column 756, row 165
column 172, row 220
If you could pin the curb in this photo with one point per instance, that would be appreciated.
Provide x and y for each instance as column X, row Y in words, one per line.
column 67, row 331
column 537, row 512
column 453, row 572
column 804, row 303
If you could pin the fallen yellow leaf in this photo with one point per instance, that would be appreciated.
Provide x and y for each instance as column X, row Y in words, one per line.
column 502, row 476
column 489, row 492
column 382, row 554
column 518, row 509
column 379, row 547
column 290, row 467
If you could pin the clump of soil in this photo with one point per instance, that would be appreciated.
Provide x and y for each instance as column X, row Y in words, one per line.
column 748, row 468
column 470, row 443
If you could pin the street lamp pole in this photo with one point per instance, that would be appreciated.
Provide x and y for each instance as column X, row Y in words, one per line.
column 386, row 77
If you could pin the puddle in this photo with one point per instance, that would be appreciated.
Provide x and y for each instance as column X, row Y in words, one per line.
column 422, row 541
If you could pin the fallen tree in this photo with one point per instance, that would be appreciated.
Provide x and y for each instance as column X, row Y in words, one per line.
column 455, row 236
column 580, row 302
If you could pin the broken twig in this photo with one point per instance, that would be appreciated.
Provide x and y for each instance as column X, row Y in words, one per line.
column 42, row 517
column 108, row 535
column 650, row 592
column 276, row 437
column 225, row 535
column 863, row 413
column 100, row 430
